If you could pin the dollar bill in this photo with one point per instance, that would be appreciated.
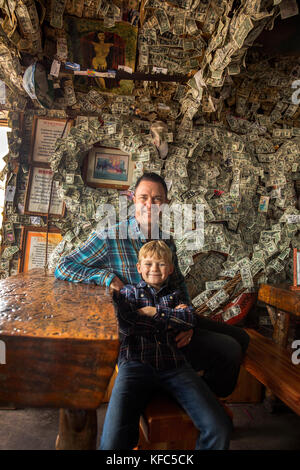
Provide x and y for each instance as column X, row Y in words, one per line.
column 162, row 20
column 282, row 133
column 191, row 26
column 215, row 285
column 201, row 298
column 179, row 24
column 216, row 300
column 57, row 11
column 292, row 218
column 231, row 312
column 270, row 248
column 245, row 270
column 9, row 252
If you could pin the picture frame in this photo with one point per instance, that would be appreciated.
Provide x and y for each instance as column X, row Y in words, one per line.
column 296, row 270
column 38, row 193
column 106, row 167
column 45, row 132
column 98, row 47
column 33, row 246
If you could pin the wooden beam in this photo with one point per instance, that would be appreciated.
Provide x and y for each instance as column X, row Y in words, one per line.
column 140, row 76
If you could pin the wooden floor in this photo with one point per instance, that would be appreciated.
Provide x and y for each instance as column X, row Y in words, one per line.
column 254, row 428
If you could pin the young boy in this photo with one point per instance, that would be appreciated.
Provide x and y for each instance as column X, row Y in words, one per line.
column 150, row 316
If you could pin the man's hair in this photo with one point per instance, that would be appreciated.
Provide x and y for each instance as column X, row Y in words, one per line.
column 152, row 177
column 158, row 249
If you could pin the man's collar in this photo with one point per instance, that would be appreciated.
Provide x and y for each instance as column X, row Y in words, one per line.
column 136, row 228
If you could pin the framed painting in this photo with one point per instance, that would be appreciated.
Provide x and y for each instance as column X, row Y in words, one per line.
column 108, row 168
column 45, row 132
column 96, row 47
column 38, row 192
column 33, row 247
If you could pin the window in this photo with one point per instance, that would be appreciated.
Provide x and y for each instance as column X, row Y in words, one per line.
column 3, row 152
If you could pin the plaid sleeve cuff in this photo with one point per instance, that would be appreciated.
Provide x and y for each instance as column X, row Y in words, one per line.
column 107, row 279
column 176, row 317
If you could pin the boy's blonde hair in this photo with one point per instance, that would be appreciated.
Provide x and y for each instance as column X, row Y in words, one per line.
column 158, row 248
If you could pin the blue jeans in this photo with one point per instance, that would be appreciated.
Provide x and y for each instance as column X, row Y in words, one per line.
column 218, row 349
column 135, row 385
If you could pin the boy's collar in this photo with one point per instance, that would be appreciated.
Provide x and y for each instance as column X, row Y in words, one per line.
column 142, row 283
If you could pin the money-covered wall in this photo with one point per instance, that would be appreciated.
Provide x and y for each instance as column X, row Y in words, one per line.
column 231, row 129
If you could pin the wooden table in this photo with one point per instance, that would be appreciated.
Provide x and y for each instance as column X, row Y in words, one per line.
column 281, row 302
column 61, row 341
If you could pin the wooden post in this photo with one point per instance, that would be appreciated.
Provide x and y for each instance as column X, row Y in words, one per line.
column 281, row 330
column 77, row 430
column 281, row 322
column 272, row 314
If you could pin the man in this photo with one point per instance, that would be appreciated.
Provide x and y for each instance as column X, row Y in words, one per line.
column 108, row 259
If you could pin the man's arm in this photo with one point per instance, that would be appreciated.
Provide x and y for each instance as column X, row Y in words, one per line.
column 87, row 263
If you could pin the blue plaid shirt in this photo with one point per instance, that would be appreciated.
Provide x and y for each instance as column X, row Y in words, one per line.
column 148, row 339
column 113, row 252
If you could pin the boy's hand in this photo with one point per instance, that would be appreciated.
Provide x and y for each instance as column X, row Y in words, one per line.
column 149, row 311
column 115, row 285
column 181, row 306
column 184, row 338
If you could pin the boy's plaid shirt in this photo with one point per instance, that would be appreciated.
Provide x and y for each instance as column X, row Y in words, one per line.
column 111, row 253
column 148, row 339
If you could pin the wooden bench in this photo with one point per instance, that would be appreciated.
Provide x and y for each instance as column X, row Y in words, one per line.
column 165, row 425
column 283, row 306
column 272, row 365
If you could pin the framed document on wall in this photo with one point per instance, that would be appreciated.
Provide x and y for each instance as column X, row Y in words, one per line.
column 45, row 132
column 33, row 247
column 296, row 270
column 38, row 193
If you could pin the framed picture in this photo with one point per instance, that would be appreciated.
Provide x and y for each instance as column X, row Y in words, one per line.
column 45, row 132
column 108, row 168
column 296, row 270
column 96, row 47
column 38, row 193
column 33, row 247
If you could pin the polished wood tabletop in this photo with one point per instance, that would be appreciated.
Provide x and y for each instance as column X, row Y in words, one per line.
column 61, row 341
column 281, row 297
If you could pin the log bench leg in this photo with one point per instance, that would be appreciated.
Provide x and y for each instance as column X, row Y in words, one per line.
column 281, row 322
column 77, row 430
column 281, row 331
